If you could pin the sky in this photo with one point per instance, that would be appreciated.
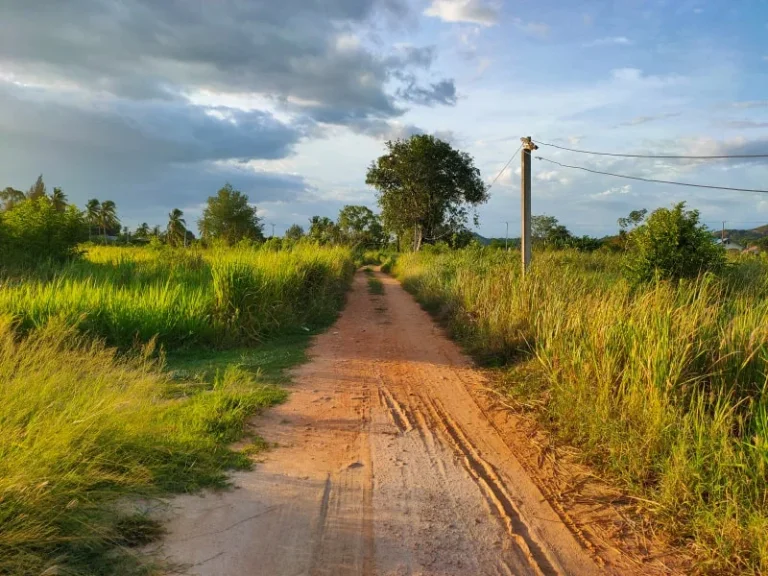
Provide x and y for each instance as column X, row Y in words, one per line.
column 155, row 105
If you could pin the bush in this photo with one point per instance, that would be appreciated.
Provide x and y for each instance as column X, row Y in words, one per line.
column 670, row 245
column 33, row 230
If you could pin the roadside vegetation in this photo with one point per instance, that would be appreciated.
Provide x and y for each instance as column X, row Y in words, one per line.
column 129, row 370
column 653, row 363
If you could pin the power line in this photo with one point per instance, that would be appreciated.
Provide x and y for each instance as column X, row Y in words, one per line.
column 505, row 167
column 663, row 156
column 654, row 180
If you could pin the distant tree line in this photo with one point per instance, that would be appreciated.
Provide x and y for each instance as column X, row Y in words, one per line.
column 37, row 225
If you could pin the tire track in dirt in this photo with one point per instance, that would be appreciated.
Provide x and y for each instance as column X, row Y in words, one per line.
column 385, row 466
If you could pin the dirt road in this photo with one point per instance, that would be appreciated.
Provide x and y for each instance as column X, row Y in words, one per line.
column 387, row 464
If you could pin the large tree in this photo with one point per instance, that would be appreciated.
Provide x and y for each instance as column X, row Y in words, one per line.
column 358, row 225
column 92, row 214
column 10, row 197
column 108, row 220
column 323, row 230
column 425, row 188
column 59, row 200
column 294, row 232
column 177, row 228
column 229, row 217
column 38, row 189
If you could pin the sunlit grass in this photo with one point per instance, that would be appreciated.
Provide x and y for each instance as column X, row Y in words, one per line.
column 664, row 387
column 85, row 429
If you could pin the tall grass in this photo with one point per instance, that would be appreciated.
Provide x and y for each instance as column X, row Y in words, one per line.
column 81, row 427
column 665, row 387
column 84, row 429
column 182, row 298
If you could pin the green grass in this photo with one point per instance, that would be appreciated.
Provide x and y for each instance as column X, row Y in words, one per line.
column 184, row 298
column 664, row 388
column 375, row 286
column 87, row 428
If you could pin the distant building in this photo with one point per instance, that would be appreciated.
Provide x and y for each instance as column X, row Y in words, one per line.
column 729, row 245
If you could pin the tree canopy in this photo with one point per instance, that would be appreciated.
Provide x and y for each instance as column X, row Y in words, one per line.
column 425, row 188
column 672, row 244
column 294, row 232
column 229, row 218
column 359, row 226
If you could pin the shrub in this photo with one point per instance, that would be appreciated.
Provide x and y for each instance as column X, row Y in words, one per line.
column 33, row 230
column 670, row 245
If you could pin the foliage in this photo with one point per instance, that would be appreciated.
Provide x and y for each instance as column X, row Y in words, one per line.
column 359, row 226
column 81, row 428
column 176, row 231
column 229, row 218
column 10, row 197
column 425, row 188
column 107, row 218
column 37, row 190
column 59, row 200
column 294, row 232
column 547, row 232
column 662, row 386
column 33, row 230
column 672, row 244
column 323, row 230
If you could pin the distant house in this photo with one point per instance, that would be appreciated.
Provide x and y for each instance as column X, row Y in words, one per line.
column 729, row 245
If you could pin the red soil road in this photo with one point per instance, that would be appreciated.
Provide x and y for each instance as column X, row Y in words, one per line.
column 389, row 462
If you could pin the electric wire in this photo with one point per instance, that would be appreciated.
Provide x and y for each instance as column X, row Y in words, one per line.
column 653, row 180
column 661, row 156
column 505, row 167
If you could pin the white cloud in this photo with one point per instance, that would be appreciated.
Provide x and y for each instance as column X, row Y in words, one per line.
column 473, row 11
column 610, row 41
column 547, row 175
column 626, row 189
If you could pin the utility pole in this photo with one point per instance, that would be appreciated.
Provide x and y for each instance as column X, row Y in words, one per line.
column 273, row 230
column 525, row 204
column 506, row 237
column 722, row 237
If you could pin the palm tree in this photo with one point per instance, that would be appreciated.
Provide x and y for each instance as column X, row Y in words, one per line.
column 92, row 214
column 142, row 231
column 177, row 227
column 108, row 217
column 59, row 200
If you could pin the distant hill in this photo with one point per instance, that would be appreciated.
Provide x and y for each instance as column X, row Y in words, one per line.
column 482, row 239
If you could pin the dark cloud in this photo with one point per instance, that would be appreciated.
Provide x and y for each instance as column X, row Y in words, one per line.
column 153, row 153
column 289, row 49
column 99, row 94
column 443, row 92
column 155, row 132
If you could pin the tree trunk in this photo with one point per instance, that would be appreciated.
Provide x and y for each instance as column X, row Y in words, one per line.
column 418, row 234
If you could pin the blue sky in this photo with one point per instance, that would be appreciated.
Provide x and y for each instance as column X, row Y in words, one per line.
column 156, row 105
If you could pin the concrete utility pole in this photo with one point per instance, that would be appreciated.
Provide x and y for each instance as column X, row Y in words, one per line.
column 722, row 237
column 506, row 237
column 273, row 230
column 525, row 205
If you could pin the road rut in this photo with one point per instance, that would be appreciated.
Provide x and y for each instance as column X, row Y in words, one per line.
column 386, row 464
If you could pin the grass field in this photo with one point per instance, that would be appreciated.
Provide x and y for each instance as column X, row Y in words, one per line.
column 663, row 387
column 86, row 427
column 182, row 298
